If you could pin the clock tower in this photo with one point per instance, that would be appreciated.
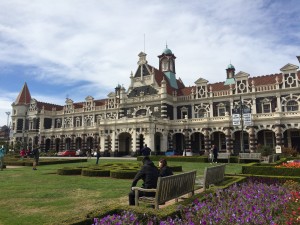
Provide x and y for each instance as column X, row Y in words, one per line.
column 167, row 66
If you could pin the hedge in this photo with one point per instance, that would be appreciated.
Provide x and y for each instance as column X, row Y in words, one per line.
column 69, row 171
column 95, row 173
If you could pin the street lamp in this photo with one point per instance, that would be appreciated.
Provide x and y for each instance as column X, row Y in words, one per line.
column 8, row 114
column 155, row 137
column 185, row 133
column 241, row 116
column 8, row 129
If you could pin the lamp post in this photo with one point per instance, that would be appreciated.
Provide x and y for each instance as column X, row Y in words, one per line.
column 8, row 129
column 185, row 134
column 155, row 139
column 8, row 114
column 241, row 115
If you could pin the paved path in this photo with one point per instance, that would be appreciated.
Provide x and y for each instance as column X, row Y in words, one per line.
column 76, row 157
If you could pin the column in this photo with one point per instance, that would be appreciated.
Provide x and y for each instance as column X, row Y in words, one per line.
column 252, row 140
column 229, row 141
column 207, row 141
column 278, row 135
column 83, row 142
column 62, row 142
column 170, row 141
column 73, row 142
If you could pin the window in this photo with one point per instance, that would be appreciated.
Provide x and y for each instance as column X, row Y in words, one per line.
column 201, row 113
column 58, row 123
column 266, row 107
column 184, row 112
column 88, row 123
column 221, row 111
column 269, row 137
column 77, row 122
column 292, row 105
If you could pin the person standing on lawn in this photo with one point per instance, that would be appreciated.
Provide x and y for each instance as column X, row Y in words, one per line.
column 2, row 154
column 215, row 153
column 149, row 174
column 98, row 155
column 145, row 151
column 36, row 157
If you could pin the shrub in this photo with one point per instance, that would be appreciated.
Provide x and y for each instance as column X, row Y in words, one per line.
column 265, row 150
column 123, row 174
column 288, row 152
column 69, row 171
column 95, row 173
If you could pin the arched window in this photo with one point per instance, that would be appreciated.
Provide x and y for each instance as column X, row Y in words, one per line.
column 292, row 105
column 88, row 122
column 201, row 113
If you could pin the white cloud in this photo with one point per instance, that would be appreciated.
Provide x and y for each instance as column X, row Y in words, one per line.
column 97, row 42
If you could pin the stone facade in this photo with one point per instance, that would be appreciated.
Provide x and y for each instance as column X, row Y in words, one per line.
column 157, row 109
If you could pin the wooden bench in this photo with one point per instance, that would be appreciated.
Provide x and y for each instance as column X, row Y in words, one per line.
column 168, row 188
column 250, row 156
column 212, row 175
column 224, row 155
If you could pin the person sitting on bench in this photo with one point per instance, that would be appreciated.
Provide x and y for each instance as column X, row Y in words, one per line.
column 149, row 174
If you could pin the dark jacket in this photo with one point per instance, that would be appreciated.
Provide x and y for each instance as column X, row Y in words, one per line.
column 148, row 173
column 165, row 171
column 146, row 151
column 36, row 153
column 215, row 151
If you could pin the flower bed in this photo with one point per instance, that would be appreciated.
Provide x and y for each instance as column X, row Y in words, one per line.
column 290, row 164
column 252, row 202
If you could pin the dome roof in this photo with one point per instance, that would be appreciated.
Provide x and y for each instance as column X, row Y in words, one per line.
column 230, row 66
column 167, row 51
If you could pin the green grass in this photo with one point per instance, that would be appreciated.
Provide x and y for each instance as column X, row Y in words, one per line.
column 43, row 197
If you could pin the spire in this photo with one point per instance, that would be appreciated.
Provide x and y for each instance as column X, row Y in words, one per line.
column 24, row 96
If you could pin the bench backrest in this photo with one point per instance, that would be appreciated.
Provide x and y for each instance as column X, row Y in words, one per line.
column 255, row 155
column 223, row 155
column 244, row 155
column 213, row 175
column 250, row 155
column 174, row 186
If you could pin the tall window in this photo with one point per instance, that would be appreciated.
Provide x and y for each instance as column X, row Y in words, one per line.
column 58, row 123
column 292, row 105
column 266, row 107
column 201, row 113
column 184, row 112
column 269, row 137
column 221, row 110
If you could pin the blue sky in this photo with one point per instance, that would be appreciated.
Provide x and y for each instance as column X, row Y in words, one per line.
column 76, row 48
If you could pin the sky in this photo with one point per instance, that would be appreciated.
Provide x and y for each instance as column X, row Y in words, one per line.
column 76, row 48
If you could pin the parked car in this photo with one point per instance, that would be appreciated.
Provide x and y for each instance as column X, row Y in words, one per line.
column 187, row 152
column 80, row 153
column 170, row 152
column 67, row 153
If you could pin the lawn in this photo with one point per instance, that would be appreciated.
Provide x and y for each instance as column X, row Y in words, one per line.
column 43, row 197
